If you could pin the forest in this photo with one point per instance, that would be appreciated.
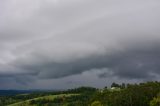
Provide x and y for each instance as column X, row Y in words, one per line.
column 141, row 94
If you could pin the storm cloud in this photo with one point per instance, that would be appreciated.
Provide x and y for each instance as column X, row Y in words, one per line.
column 61, row 42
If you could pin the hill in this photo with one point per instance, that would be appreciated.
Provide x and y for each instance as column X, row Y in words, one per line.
column 142, row 94
column 39, row 100
column 14, row 92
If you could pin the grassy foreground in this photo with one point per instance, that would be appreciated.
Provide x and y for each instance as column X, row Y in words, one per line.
column 49, row 98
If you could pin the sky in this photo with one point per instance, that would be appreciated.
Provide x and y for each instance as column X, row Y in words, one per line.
column 61, row 44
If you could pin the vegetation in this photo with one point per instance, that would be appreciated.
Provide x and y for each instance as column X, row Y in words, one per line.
column 143, row 94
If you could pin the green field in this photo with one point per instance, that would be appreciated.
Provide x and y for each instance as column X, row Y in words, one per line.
column 49, row 97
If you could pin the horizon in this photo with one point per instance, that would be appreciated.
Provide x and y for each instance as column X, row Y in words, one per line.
column 63, row 44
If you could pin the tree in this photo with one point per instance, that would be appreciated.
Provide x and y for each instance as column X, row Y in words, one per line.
column 115, row 85
column 123, row 85
column 96, row 103
column 155, row 102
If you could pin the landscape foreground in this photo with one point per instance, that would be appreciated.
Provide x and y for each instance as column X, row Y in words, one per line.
column 142, row 94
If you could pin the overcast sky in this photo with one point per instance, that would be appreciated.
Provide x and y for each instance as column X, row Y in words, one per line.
column 59, row 44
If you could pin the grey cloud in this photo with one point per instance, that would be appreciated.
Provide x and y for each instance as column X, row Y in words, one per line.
column 59, row 39
column 132, row 63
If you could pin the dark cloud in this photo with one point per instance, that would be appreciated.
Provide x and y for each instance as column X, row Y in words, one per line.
column 86, row 41
column 131, row 63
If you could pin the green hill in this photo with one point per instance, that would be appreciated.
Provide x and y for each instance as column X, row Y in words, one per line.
column 142, row 94
column 31, row 102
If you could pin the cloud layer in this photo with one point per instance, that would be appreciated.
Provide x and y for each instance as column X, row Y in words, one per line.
column 53, row 40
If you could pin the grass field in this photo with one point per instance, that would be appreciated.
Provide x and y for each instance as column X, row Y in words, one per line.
column 49, row 97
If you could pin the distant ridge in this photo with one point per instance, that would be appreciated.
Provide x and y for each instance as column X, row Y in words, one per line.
column 15, row 92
